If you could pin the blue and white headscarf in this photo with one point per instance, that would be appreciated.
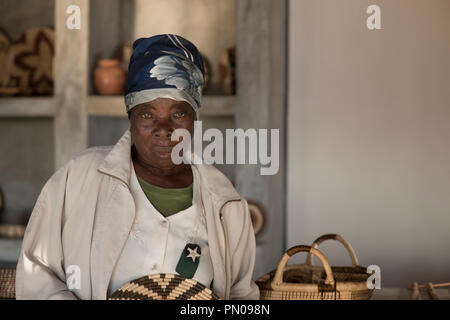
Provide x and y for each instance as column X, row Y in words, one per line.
column 165, row 66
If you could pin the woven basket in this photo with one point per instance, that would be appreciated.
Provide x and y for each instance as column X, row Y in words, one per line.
column 7, row 283
column 163, row 287
column 309, row 282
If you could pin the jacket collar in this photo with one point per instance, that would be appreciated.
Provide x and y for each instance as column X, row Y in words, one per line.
column 118, row 161
column 118, row 164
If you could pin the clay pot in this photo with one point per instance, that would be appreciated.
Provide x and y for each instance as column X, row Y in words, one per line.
column 109, row 77
column 227, row 71
column 2, row 203
column 207, row 68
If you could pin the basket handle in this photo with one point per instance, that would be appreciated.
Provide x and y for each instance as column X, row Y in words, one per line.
column 333, row 236
column 278, row 277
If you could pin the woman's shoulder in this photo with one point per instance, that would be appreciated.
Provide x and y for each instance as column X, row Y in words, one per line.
column 93, row 153
column 90, row 157
column 85, row 162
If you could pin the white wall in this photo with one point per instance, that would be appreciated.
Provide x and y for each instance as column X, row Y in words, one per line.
column 369, row 134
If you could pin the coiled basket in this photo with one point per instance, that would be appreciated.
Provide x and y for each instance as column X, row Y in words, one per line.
column 163, row 287
column 309, row 282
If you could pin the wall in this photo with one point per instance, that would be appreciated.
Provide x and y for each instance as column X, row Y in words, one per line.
column 261, row 73
column 26, row 162
column 368, row 146
column 16, row 16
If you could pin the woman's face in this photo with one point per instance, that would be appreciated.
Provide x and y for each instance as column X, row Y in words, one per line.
column 152, row 125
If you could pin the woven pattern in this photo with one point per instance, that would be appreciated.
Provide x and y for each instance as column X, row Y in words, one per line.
column 8, row 283
column 163, row 287
column 292, row 295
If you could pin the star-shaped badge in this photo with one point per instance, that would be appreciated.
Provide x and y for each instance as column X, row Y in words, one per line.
column 193, row 254
column 189, row 260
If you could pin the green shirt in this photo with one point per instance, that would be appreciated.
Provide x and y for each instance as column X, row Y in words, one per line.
column 167, row 201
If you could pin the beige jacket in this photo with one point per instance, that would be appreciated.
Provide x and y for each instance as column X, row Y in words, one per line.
column 85, row 212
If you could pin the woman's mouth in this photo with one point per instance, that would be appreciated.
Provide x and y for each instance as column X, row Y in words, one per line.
column 163, row 152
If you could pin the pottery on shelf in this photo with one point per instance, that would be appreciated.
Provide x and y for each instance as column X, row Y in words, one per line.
column 207, row 68
column 227, row 71
column 2, row 202
column 109, row 77
column 127, row 52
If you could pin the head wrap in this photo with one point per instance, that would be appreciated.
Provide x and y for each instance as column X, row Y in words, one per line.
column 164, row 66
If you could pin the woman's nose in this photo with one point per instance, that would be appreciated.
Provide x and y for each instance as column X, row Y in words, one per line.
column 163, row 130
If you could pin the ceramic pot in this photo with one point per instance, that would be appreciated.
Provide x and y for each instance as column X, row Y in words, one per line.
column 227, row 71
column 207, row 68
column 2, row 203
column 109, row 77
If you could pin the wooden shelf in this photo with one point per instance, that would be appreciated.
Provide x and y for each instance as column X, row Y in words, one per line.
column 114, row 106
column 27, row 107
column 106, row 106
column 102, row 106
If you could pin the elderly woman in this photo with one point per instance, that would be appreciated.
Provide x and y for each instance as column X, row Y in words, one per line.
column 114, row 214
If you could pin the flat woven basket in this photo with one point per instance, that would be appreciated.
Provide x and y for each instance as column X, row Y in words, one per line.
column 7, row 283
column 309, row 282
column 163, row 287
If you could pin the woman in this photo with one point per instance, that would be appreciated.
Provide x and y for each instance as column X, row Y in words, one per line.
column 114, row 214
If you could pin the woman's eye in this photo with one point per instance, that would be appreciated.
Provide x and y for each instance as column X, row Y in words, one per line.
column 146, row 116
column 179, row 115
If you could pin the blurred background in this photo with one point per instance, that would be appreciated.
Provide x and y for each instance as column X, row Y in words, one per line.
column 363, row 114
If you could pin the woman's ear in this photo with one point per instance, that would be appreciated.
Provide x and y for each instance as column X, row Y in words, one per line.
column 191, row 128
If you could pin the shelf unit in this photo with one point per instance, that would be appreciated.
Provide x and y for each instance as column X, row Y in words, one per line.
column 27, row 107
column 101, row 106
column 260, row 102
column 73, row 101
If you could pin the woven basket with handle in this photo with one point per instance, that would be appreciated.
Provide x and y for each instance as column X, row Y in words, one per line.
column 309, row 282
